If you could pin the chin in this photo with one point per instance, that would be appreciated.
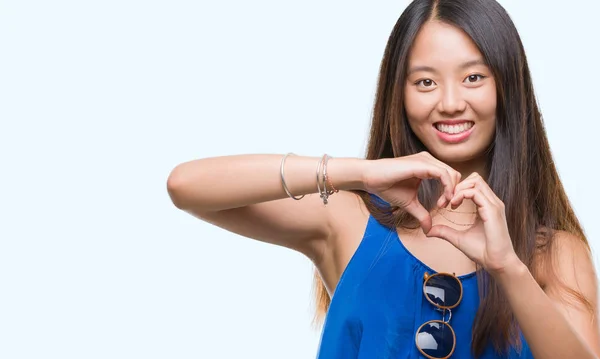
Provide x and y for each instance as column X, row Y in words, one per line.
column 457, row 154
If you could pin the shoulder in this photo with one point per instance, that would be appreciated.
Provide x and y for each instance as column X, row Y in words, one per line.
column 572, row 252
column 565, row 245
column 572, row 284
column 568, row 264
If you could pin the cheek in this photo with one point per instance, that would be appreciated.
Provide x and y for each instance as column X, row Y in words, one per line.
column 418, row 106
column 484, row 103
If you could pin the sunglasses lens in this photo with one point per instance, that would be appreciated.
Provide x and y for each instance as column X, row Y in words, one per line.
column 436, row 339
column 443, row 290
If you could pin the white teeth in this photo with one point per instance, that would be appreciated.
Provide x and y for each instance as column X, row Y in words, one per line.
column 454, row 129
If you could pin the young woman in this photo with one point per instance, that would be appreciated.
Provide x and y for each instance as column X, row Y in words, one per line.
column 454, row 236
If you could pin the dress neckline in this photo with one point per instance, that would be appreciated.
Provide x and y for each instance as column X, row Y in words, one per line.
column 421, row 263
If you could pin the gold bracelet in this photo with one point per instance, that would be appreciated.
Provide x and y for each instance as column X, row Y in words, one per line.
column 322, row 192
column 327, row 179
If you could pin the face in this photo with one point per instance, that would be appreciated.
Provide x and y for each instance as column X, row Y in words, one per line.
column 450, row 94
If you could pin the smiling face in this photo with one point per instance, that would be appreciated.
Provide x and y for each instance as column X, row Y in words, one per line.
column 450, row 94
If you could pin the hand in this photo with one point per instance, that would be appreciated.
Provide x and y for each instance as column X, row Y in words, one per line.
column 396, row 181
column 488, row 241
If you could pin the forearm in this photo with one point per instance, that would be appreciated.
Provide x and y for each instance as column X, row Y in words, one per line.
column 219, row 183
column 547, row 331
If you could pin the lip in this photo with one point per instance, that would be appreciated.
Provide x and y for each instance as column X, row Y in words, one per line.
column 456, row 137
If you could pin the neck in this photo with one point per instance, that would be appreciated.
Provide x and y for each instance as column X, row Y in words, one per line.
column 469, row 167
column 458, row 218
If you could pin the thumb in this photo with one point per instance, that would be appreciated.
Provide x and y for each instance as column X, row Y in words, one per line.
column 444, row 232
column 417, row 210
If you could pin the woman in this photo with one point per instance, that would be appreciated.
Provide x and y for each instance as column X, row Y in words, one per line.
column 454, row 237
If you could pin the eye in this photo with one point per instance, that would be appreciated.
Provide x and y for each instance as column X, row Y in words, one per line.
column 425, row 83
column 474, row 78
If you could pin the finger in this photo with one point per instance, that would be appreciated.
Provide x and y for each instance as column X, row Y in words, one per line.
column 458, row 176
column 474, row 194
column 487, row 190
column 449, row 187
column 420, row 213
column 477, row 182
column 431, row 171
column 428, row 156
column 444, row 232
column 473, row 175
column 441, row 202
column 466, row 184
column 454, row 174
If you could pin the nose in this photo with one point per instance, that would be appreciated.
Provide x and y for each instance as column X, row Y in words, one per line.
column 452, row 100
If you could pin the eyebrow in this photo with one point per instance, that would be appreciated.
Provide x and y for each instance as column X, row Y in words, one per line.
column 431, row 69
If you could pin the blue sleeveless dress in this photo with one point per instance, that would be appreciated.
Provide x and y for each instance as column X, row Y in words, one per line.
column 378, row 305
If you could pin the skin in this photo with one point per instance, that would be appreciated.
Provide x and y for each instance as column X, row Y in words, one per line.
column 447, row 90
column 258, row 208
column 446, row 83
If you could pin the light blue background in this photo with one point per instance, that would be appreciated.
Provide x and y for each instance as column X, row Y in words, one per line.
column 99, row 100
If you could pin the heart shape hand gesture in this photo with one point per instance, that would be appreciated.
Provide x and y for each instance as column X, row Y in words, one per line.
column 487, row 242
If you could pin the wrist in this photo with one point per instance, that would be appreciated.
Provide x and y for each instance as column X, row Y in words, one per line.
column 512, row 271
column 346, row 174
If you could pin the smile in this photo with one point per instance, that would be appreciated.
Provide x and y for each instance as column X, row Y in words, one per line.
column 454, row 133
column 454, row 129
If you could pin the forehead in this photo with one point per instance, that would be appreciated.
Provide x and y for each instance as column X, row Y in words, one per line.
column 441, row 45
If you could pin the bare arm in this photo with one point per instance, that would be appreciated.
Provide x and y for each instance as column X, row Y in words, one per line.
column 554, row 324
column 244, row 195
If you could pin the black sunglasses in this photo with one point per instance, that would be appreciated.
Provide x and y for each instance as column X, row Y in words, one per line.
column 435, row 339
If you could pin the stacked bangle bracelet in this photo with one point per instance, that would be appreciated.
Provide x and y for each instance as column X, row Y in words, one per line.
column 323, row 180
